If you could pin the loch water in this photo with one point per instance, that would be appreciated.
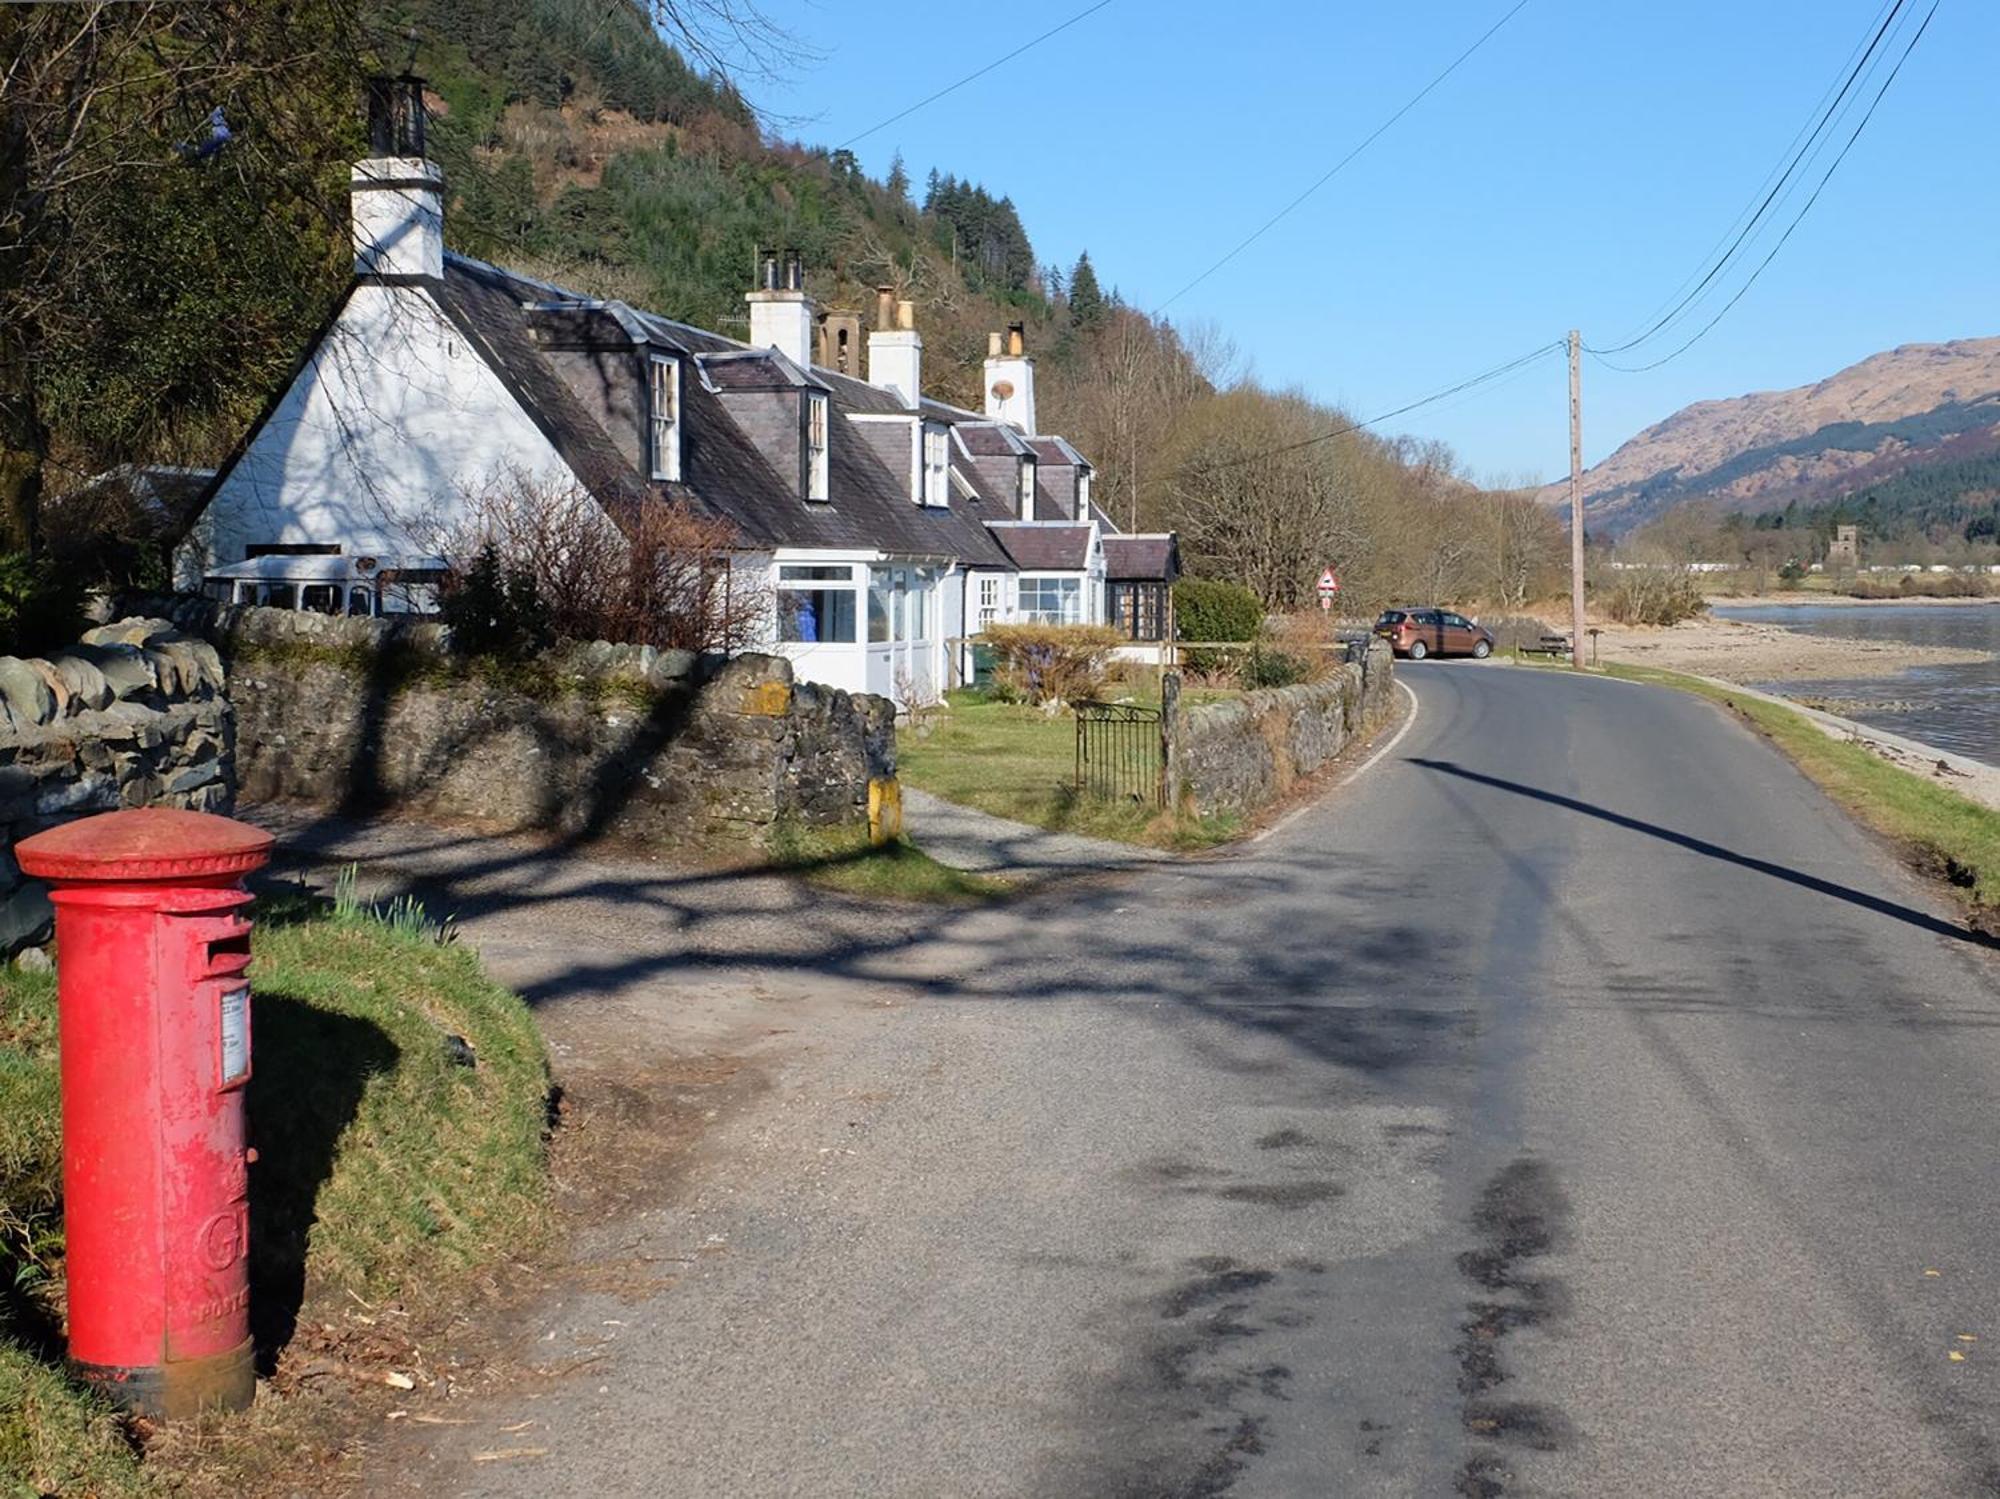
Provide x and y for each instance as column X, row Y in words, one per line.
column 1953, row 707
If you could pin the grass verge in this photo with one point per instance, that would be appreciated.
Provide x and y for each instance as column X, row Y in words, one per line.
column 1019, row 763
column 398, row 1104
column 1943, row 833
column 846, row 860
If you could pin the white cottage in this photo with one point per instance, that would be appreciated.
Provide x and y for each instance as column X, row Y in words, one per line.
column 883, row 527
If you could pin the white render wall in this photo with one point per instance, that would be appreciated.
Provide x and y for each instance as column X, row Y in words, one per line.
column 376, row 442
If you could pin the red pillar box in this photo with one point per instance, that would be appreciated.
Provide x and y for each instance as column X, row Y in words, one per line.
column 152, row 945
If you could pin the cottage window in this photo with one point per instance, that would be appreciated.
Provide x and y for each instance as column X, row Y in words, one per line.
column 989, row 602
column 878, row 607
column 1052, row 601
column 1138, row 610
column 1083, row 494
column 817, row 604
column 936, row 466
column 1027, row 508
column 663, row 412
column 816, row 442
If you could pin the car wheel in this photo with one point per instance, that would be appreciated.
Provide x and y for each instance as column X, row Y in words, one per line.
column 1481, row 649
column 1418, row 650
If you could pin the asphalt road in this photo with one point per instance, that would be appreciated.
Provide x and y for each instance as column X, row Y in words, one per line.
column 1573, row 1104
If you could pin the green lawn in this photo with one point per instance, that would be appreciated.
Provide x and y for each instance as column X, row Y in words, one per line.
column 1018, row 762
column 387, row 1168
column 1943, row 832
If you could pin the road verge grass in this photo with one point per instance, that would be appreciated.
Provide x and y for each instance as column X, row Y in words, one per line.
column 399, row 1106
column 1942, row 833
column 849, row 861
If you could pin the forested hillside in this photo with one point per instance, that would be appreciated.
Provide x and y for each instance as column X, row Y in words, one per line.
column 579, row 146
column 1921, row 405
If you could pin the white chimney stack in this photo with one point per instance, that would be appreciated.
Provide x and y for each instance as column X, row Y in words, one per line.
column 397, row 194
column 1010, row 379
column 896, row 349
column 781, row 314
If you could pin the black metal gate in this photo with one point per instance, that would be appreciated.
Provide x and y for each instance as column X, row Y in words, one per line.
column 1118, row 752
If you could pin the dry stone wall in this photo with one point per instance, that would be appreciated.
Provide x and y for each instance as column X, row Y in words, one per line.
column 656, row 747
column 1239, row 755
column 132, row 716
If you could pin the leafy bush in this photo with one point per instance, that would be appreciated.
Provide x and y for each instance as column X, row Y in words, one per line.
column 495, row 609
column 1043, row 663
column 1263, row 668
column 1205, row 610
column 41, row 604
column 1653, row 596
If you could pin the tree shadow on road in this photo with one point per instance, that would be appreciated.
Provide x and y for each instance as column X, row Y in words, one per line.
column 1923, row 920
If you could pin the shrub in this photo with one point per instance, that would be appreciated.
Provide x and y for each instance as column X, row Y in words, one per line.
column 1043, row 663
column 41, row 603
column 495, row 609
column 1205, row 610
column 1264, row 668
column 1653, row 596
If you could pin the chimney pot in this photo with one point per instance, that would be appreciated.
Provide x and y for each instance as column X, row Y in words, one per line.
column 795, row 270
column 767, row 270
column 906, row 315
column 992, row 346
column 1017, row 339
column 885, row 307
column 396, row 116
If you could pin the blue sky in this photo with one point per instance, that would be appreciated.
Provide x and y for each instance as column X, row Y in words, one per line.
column 1573, row 172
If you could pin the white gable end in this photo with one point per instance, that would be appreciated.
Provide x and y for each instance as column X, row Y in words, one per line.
column 375, row 445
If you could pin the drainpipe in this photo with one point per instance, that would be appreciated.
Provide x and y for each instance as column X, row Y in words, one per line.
column 964, row 627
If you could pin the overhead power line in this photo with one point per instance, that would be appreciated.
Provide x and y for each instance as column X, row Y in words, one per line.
column 1334, row 170
column 1785, row 158
column 1497, row 372
column 973, row 77
column 1804, row 148
column 1798, row 219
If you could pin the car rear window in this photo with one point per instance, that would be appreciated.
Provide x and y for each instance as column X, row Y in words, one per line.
column 1390, row 617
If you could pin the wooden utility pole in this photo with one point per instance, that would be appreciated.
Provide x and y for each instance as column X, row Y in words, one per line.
column 1575, row 498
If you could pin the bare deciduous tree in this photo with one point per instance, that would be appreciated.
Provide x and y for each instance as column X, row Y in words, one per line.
column 660, row 574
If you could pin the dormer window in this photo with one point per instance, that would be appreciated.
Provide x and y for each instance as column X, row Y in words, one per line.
column 937, row 462
column 663, row 416
column 1027, row 489
column 816, row 441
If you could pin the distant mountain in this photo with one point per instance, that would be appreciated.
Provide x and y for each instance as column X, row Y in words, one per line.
column 1915, row 406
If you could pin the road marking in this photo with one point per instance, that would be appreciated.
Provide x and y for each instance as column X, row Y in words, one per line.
column 1353, row 775
column 1408, row 724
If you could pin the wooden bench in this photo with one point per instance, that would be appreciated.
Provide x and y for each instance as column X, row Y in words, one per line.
column 1549, row 645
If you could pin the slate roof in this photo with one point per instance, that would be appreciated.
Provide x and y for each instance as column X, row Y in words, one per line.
column 1037, row 546
column 724, row 473
column 754, row 369
column 985, row 439
column 1056, row 450
column 1154, row 558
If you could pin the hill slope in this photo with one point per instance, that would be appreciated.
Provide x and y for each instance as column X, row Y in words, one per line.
column 1916, row 405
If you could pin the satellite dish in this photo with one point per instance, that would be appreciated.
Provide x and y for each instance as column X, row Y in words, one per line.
column 1003, row 389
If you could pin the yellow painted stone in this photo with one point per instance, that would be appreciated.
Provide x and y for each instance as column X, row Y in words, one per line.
column 770, row 700
column 885, row 809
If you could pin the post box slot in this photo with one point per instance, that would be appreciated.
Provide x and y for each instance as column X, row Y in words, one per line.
column 229, row 954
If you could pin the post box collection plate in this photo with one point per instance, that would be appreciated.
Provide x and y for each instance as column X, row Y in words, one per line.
column 235, row 1036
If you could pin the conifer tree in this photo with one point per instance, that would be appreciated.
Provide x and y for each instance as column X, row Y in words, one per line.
column 1086, row 298
column 899, row 179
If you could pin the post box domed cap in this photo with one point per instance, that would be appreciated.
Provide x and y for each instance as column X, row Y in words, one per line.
column 146, row 843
